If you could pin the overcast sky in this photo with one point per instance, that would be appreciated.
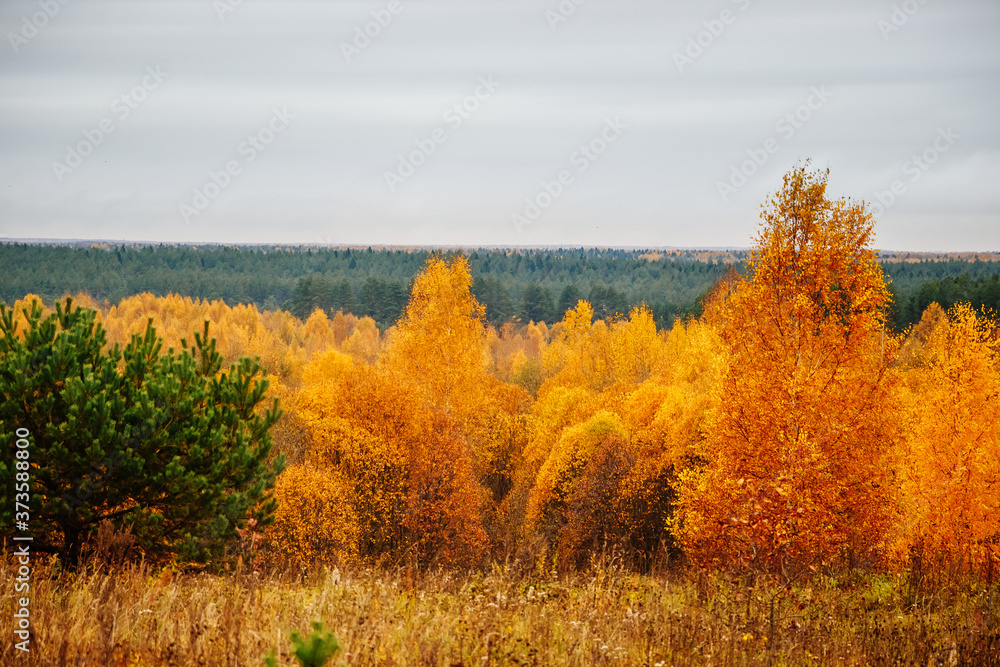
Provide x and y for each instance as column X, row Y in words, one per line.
column 494, row 122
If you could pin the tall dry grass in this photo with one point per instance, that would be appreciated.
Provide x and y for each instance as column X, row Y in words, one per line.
column 603, row 615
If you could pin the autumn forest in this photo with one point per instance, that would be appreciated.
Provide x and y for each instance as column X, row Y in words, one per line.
column 782, row 441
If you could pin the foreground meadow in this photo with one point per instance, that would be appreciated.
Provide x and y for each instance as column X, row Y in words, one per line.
column 601, row 615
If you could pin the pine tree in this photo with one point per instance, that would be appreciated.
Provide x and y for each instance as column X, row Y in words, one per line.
column 164, row 442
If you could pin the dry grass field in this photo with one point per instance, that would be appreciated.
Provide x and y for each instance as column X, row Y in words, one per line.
column 602, row 615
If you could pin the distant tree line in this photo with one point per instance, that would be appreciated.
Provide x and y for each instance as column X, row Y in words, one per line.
column 532, row 285
column 524, row 284
column 983, row 291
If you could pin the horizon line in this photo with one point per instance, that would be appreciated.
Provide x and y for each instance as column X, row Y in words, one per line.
column 457, row 246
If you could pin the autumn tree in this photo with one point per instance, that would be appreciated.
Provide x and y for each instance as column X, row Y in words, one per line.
column 397, row 431
column 281, row 342
column 669, row 418
column 443, row 517
column 561, row 471
column 797, row 468
column 440, row 343
column 635, row 347
column 440, row 350
column 606, row 446
column 408, row 477
column 315, row 522
column 364, row 426
column 592, row 510
column 623, row 351
column 950, row 467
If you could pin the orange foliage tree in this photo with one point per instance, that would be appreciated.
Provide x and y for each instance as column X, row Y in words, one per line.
column 668, row 417
column 562, row 469
column 622, row 414
column 364, row 425
column 440, row 349
column 315, row 521
column 951, row 462
column 443, row 504
column 797, row 468
column 396, row 430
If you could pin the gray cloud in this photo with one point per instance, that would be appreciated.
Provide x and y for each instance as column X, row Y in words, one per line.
column 323, row 178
